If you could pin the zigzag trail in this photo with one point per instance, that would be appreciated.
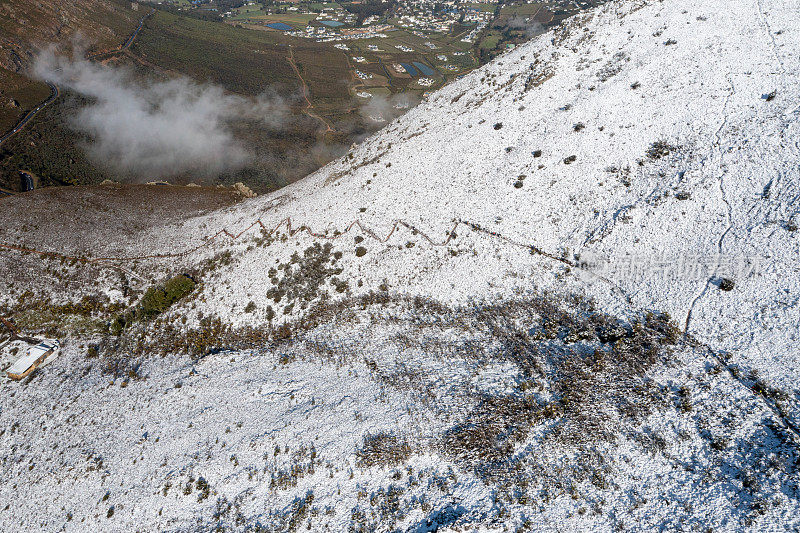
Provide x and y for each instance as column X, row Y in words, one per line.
column 291, row 232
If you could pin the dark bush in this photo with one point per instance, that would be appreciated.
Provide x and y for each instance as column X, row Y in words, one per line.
column 158, row 299
column 382, row 449
column 203, row 489
column 659, row 149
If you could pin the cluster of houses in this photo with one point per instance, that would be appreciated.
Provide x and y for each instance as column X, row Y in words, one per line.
column 337, row 24
column 470, row 38
column 439, row 16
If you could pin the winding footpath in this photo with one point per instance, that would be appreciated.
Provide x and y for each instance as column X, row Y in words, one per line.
column 306, row 92
column 291, row 231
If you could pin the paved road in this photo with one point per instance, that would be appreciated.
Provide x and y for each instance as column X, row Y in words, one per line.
column 54, row 93
column 132, row 38
column 127, row 44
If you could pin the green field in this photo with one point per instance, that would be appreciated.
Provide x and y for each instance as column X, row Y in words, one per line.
column 523, row 10
column 491, row 40
column 248, row 12
column 318, row 5
column 241, row 60
column 296, row 20
column 488, row 8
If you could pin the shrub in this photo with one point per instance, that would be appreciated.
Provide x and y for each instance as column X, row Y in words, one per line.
column 158, row 299
column 303, row 277
column 117, row 325
column 203, row 489
column 382, row 449
column 726, row 284
column 659, row 149
column 361, row 251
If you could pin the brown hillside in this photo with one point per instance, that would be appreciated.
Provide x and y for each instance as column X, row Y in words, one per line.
column 29, row 25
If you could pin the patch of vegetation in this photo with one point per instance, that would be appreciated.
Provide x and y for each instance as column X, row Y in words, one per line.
column 593, row 366
column 158, row 299
column 155, row 301
column 18, row 95
column 383, row 449
column 300, row 281
column 659, row 149
column 85, row 316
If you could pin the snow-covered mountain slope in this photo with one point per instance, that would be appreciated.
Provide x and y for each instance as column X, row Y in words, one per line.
column 440, row 364
column 682, row 119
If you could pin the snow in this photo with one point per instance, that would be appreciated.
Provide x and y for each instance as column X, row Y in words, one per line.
column 702, row 95
column 683, row 174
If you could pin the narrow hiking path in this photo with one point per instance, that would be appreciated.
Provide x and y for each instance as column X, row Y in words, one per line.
column 764, row 392
column 309, row 106
column 291, row 231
